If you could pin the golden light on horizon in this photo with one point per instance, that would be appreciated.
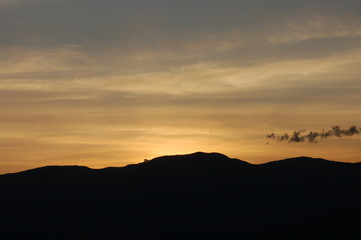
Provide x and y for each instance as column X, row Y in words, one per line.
column 117, row 83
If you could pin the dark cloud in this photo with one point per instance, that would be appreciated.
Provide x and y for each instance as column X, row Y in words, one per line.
column 156, row 23
column 168, row 33
column 313, row 137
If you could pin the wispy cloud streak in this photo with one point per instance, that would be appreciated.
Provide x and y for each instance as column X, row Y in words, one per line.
column 313, row 137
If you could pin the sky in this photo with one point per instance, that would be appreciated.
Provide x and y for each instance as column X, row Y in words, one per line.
column 113, row 82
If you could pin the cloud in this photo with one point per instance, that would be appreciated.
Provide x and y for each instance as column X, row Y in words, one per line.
column 313, row 137
column 161, row 25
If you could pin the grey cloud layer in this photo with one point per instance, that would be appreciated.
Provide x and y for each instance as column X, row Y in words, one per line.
column 159, row 24
column 156, row 35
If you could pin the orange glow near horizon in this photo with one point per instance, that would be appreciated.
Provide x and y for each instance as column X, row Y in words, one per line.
column 142, row 82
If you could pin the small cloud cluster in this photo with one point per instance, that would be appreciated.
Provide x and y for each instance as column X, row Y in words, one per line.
column 312, row 137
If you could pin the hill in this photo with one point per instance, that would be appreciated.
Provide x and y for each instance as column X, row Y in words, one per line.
column 194, row 196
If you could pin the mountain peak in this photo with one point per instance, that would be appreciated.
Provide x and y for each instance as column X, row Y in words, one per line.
column 304, row 162
column 197, row 160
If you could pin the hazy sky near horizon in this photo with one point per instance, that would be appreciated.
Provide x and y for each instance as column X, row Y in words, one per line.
column 111, row 82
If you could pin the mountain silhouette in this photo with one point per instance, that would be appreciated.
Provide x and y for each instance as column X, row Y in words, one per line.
column 194, row 196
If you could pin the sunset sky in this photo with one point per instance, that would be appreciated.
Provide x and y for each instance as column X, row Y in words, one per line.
column 112, row 82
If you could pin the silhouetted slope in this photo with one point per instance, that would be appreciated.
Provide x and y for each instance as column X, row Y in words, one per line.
column 195, row 196
column 305, row 162
column 196, row 160
column 56, row 171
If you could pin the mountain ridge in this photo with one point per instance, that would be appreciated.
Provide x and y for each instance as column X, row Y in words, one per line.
column 194, row 196
column 182, row 159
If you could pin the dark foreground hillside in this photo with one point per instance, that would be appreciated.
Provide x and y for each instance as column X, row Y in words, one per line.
column 196, row 196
